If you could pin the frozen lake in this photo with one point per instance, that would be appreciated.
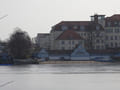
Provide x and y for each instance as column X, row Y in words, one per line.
column 60, row 77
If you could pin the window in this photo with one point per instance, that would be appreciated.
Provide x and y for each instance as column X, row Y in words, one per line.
column 116, row 44
column 63, row 48
column 69, row 42
column 107, row 45
column 111, row 44
column 116, row 30
column 119, row 23
column 111, row 30
column 101, row 34
column 62, row 42
column 64, row 27
column 88, row 34
column 97, row 41
column 82, row 27
column 97, row 47
column 97, row 34
column 81, row 34
column 72, row 42
column 79, row 42
column 106, row 37
column 75, row 27
column 108, row 30
column 97, row 28
column 102, row 47
column 99, row 18
column 111, row 37
column 102, row 41
column 115, row 37
column 84, row 34
column 109, row 23
column 115, row 23
column 92, row 18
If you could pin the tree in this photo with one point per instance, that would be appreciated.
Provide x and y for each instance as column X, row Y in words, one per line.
column 19, row 44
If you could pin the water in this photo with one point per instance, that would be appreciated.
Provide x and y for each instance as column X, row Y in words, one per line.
column 60, row 77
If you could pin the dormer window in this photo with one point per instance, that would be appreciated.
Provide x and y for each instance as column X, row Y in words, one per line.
column 75, row 27
column 97, row 28
column 64, row 27
column 82, row 28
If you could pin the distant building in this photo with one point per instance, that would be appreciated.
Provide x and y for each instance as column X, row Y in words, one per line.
column 68, row 40
column 101, row 33
column 43, row 40
column 79, row 53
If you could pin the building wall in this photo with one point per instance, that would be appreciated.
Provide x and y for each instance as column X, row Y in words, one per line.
column 112, row 37
column 53, row 37
column 98, row 40
column 83, row 34
column 43, row 41
column 94, row 39
column 69, row 44
column 109, row 38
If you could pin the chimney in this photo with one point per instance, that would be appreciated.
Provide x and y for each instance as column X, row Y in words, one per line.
column 96, row 18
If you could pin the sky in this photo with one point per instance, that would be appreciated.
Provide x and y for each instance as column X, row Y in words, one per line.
column 38, row 16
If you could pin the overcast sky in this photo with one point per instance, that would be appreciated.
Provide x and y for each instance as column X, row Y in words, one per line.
column 38, row 16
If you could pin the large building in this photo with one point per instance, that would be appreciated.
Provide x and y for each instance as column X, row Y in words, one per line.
column 100, row 33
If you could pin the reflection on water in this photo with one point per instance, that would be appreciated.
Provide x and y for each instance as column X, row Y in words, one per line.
column 61, row 68
column 60, row 77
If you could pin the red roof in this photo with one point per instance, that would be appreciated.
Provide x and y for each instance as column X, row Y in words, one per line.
column 115, row 17
column 69, row 35
column 74, row 23
column 71, row 24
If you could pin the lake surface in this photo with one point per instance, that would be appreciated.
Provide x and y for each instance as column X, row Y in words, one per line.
column 60, row 77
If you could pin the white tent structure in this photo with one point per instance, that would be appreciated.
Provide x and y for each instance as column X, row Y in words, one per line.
column 80, row 54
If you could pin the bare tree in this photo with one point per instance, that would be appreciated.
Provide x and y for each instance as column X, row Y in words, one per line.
column 20, row 44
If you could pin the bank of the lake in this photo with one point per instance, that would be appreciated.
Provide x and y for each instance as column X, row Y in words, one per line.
column 71, row 62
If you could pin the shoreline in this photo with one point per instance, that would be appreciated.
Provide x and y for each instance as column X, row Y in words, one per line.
column 73, row 62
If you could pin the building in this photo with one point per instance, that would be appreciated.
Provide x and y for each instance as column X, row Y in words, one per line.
column 101, row 33
column 79, row 53
column 68, row 40
column 43, row 40
column 112, row 28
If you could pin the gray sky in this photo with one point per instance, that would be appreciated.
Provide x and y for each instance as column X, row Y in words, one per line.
column 37, row 16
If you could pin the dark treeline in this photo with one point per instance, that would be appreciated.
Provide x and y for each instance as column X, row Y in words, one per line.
column 18, row 46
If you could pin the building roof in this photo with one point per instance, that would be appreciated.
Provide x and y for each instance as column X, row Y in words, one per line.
column 78, row 26
column 115, row 17
column 88, row 25
column 42, row 34
column 93, row 26
column 113, row 21
column 69, row 35
column 74, row 22
column 70, row 25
